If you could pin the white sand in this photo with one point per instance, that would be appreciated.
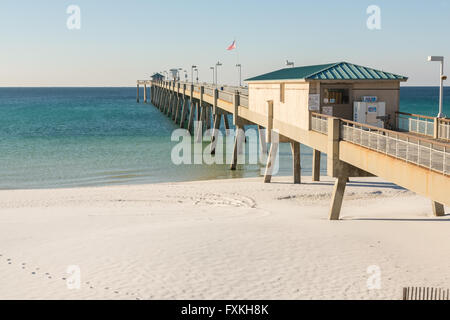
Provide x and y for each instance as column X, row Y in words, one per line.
column 232, row 239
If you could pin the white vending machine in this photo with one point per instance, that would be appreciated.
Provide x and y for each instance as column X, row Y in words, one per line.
column 371, row 113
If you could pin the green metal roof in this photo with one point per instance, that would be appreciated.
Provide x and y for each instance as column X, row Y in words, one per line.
column 331, row 71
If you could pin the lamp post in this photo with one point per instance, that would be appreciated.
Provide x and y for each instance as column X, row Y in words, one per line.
column 185, row 76
column 218, row 64
column 442, row 78
column 192, row 73
column 213, row 78
column 240, row 74
column 196, row 70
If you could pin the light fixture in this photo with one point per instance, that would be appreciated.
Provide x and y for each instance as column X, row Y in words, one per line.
column 442, row 78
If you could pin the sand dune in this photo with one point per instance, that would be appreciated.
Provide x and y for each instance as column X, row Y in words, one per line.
column 226, row 239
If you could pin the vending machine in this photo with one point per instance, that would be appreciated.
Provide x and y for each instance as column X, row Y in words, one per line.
column 371, row 113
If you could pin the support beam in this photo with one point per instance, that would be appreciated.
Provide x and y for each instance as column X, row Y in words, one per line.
column 438, row 209
column 137, row 94
column 199, row 133
column 316, row 165
column 145, row 93
column 177, row 108
column 271, row 162
column 191, row 116
column 215, row 132
column 297, row 170
column 338, row 197
column 240, row 136
column 262, row 140
column 183, row 112
column 226, row 123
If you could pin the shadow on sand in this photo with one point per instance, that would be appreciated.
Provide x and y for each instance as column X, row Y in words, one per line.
column 364, row 184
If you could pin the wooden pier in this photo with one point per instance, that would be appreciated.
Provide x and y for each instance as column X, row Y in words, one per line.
column 414, row 161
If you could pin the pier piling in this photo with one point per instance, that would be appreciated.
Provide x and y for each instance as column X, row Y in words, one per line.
column 295, row 147
column 316, row 166
column 137, row 94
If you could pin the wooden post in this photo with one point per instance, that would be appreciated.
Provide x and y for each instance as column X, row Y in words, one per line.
column 262, row 140
column 269, row 120
column 297, row 170
column 216, row 97
column 215, row 132
column 152, row 91
column 183, row 108
column 191, row 111
column 438, row 209
column 316, row 165
column 226, row 123
column 436, row 128
column 137, row 95
column 158, row 96
column 338, row 196
column 177, row 104
column 208, row 117
column 145, row 93
column 271, row 162
column 236, row 107
column 237, row 145
column 199, row 133
column 168, row 96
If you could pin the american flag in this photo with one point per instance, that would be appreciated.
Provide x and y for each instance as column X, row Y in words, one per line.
column 232, row 46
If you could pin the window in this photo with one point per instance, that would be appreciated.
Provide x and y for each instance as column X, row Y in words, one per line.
column 336, row 96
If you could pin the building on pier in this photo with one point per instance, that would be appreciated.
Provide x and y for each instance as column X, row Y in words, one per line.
column 334, row 89
column 157, row 77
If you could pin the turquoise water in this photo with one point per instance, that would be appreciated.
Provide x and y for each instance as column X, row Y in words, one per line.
column 67, row 137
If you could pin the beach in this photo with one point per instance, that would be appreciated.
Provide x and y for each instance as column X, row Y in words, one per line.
column 220, row 239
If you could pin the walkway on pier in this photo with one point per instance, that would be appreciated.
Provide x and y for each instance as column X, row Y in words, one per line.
column 416, row 162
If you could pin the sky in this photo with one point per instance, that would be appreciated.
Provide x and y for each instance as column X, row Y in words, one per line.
column 121, row 41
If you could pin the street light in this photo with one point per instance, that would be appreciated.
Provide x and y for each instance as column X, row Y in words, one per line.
column 192, row 73
column 442, row 78
column 240, row 74
column 196, row 70
column 218, row 64
column 290, row 63
column 185, row 76
column 213, row 81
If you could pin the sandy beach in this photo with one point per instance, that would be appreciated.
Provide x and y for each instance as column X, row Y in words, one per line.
column 223, row 239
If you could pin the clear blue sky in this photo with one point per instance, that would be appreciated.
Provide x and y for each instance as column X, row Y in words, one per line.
column 121, row 41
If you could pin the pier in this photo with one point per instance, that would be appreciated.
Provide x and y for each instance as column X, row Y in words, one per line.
column 415, row 157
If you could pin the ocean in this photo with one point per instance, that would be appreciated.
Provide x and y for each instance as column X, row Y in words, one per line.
column 71, row 137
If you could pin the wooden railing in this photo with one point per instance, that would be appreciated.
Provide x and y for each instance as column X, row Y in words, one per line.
column 226, row 95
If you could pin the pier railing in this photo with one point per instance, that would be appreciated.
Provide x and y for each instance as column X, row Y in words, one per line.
column 319, row 122
column 415, row 123
column 444, row 129
column 423, row 152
